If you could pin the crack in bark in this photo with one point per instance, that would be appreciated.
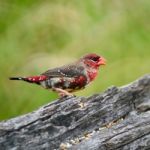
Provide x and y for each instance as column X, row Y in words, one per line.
column 132, row 140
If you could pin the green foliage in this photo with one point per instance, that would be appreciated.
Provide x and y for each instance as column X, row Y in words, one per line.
column 37, row 35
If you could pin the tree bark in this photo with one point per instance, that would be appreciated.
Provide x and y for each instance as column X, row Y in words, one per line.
column 118, row 119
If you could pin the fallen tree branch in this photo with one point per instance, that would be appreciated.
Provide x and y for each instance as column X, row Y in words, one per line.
column 118, row 119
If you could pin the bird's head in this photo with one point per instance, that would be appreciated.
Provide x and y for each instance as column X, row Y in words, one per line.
column 93, row 60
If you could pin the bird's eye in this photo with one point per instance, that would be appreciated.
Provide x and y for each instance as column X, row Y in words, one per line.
column 95, row 58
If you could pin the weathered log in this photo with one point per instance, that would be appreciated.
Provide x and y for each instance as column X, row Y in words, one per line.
column 118, row 119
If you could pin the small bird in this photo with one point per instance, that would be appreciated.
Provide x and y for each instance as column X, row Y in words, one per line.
column 69, row 78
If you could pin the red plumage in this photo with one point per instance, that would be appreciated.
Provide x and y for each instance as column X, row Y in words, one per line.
column 69, row 78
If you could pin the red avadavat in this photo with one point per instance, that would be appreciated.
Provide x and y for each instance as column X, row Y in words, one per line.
column 68, row 78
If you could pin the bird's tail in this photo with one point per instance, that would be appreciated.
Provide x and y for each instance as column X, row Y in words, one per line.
column 20, row 78
column 32, row 79
column 16, row 78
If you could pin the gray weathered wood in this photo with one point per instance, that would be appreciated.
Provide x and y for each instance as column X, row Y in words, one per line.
column 117, row 119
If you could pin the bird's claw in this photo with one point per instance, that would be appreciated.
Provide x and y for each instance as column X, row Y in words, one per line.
column 62, row 96
column 63, row 93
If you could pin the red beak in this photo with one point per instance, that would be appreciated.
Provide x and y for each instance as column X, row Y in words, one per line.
column 102, row 61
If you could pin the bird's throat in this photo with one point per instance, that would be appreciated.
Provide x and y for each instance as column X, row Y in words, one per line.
column 92, row 74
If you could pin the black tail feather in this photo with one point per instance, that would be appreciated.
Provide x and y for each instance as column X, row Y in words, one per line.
column 16, row 78
column 26, row 79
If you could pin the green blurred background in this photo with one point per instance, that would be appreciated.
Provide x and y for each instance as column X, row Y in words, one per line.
column 36, row 35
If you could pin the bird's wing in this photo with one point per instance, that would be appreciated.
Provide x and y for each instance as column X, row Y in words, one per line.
column 65, row 71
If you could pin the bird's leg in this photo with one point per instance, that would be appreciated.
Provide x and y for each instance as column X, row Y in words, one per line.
column 61, row 92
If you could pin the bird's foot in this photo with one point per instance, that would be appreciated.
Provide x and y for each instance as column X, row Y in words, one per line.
column 65, row 94
column 62, row 93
